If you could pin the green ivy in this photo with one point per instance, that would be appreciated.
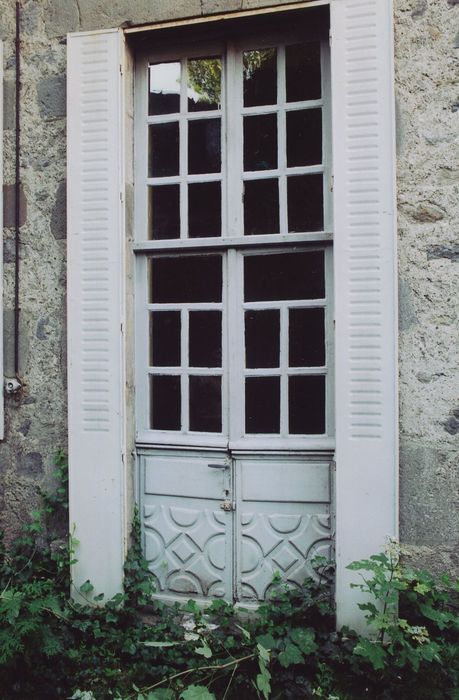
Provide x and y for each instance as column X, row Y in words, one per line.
column 136, row 648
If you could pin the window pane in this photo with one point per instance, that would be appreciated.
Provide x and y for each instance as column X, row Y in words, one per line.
column 164, row 93
column 204, row 209
column 262, row 330
column 261, row 207
column 206, row 404
column 306, row 337
column 262, row 404
column 306, row 405
column 186, row 279
column 165, row 339
column 305, row 203
column 304, row 137
column 163, row 150
column 260, row 142
column 164, row 211
column 165, row 403
column 303, row 72
column 260, row 77
column 205, row 349
column 204, row 84
column 204, row 146
column 284, row 276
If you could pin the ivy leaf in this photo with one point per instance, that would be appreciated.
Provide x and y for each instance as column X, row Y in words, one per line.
column 263, row 653
column 196, row 692
column 160, row 694
column 263, row 684
column 267, row 641
column 204, row 651
column 86, row 587
column 372, row 651
column 304, row 639
column 291, row 655
column 245, row 633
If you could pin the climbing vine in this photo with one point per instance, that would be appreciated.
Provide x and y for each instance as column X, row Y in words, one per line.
column 133, row 647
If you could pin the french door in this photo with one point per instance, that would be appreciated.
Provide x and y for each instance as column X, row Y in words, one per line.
column 234, row 351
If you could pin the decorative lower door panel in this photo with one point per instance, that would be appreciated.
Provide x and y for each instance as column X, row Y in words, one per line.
column 187, row 534
column 282, row 521
column 216, row 527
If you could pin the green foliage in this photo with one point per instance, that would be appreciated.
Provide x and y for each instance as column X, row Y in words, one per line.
column 136, row 648
column 414, row 619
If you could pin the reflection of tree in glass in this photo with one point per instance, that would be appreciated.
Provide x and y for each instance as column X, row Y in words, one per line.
column 254, row 60
column 204, row 81
column 260, row 84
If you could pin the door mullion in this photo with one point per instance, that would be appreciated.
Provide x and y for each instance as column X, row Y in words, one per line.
column 283, row 365
column 185, row 371
column 235, row 346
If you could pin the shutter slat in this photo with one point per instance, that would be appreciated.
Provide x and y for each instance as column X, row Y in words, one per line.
column 95, row 307
column 365, row 276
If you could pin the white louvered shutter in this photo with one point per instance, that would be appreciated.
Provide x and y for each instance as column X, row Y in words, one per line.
column 96, row 307
column 365, row 283
column 2, row 420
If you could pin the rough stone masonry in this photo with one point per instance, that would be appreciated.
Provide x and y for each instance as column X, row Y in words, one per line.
column 427, row 96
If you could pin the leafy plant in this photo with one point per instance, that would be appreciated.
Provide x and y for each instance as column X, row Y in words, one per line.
column 136, row 648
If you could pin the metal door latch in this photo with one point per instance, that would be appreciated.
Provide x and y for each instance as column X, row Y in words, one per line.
column 228, row 505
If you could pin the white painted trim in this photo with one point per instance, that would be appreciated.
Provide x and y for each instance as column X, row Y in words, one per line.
column 2, row 408
column 365, row 283
column 96, row 309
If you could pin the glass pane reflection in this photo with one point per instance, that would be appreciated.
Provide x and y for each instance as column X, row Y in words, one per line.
column 260, row 77
column 204, row 84
column 164, row 88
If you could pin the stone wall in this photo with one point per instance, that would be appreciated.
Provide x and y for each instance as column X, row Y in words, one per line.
column 427, row 92
column 426, row 63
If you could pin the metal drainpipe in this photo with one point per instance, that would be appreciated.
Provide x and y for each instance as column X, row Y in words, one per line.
column 14, row 384
column 17, row 188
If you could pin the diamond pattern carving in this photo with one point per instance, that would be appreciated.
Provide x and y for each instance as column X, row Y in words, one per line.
column 186, row 549
column 280, row 543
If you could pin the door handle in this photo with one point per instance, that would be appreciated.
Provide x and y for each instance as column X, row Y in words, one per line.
column 218, row 466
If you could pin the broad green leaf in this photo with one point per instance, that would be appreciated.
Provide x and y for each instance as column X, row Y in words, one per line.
column 267, row 641
column 304, row 639
column 372, row 651
column 245, row 633
column 291, row 655
column 263, row 653
column 197, row 692
column 160, row 645
column 204, row 651
column 86, row 587
column 263, row 684
column 161, row 694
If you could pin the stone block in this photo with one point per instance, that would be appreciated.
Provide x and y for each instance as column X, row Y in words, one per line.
column 51, row 97
column 428, row 497
column 9, row 104
column 61, row 17
column 30, row 464
column 30, row 17
column 420, row 9
column 450, row 252
column 105, row 15
column 9, row 206
column 425, row 212
column 407, row 313
column 59, row 215
column 210, row 7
